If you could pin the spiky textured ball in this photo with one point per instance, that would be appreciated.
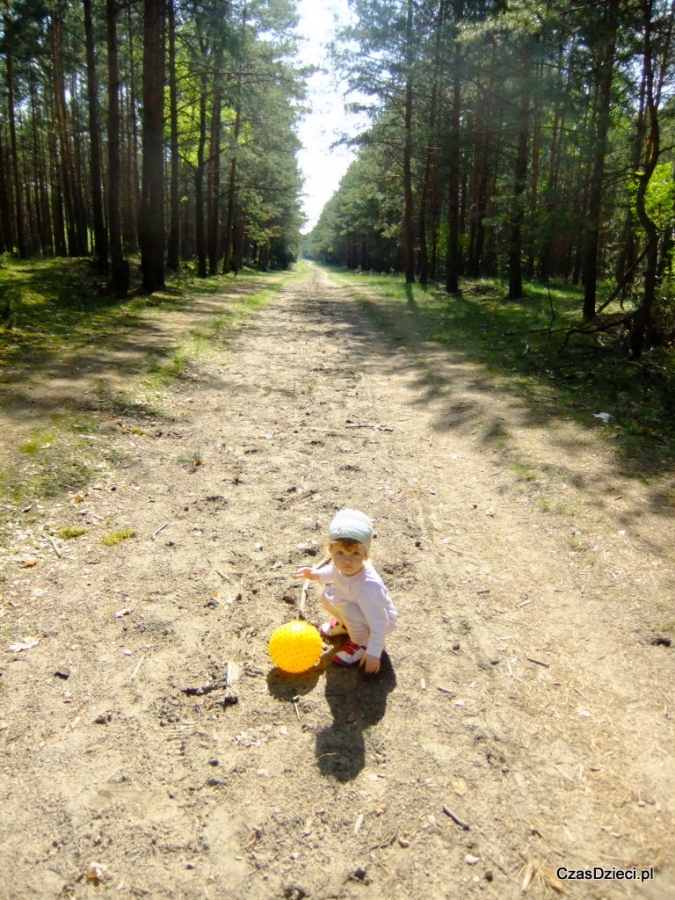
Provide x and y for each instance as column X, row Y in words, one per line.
column 295, row 647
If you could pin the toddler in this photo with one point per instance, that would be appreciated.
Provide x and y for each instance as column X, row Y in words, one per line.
column 355, row 595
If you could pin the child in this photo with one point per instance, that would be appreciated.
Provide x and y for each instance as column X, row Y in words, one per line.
column 356, row 596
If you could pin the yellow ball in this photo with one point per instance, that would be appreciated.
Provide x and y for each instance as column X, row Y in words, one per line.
column 295, row 647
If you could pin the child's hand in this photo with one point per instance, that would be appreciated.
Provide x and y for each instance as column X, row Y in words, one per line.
column 306, row 572
column 371, row 664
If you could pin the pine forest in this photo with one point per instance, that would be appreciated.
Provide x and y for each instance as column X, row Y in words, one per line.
column 519, row 139
column 165, row 129
column 526, row 140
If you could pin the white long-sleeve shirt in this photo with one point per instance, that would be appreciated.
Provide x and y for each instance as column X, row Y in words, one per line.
column 368, row 593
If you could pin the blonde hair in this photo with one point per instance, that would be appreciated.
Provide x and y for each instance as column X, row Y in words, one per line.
column 348, row 544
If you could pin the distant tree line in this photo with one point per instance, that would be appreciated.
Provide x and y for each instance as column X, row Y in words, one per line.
column 515, row 138
column 164, row 127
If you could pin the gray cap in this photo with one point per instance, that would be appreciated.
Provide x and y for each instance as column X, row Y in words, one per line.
column 350, row 524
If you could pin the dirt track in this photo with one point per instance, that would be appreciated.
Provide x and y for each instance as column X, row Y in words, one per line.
column 523, row 693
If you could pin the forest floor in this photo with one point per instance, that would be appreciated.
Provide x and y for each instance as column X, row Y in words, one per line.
column 522, row 721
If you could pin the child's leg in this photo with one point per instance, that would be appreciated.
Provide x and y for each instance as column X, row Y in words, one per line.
column 356, row 624
column 353, row 651
column 333, row 628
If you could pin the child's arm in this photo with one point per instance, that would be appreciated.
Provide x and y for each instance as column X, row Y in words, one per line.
column 322, row 572
column 306, row 572
column 371, row 664
column 373, row 606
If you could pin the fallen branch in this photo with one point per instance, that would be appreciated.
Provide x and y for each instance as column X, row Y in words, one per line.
column 386, row 843
column 538, row 662
column 599, row 323
column 456, row 819
column 161, row 528
column 376, row 427
column 138, row 665
column 303, row 598
column 54, row 547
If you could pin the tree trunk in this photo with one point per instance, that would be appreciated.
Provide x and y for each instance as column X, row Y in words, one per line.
column 655, row 67
column 6, row 243
column 520, row 178
column 76, row 131
column 56, row 197
column 533, row 211
column 173, row 244
column 75, row 247
column 199, row 185
column 151, row 219
column 408, row 231
column 603, row 113
column 213, row 181
column 628, row 244
column 100, row 233
column 131, row 205
column 453, row 260
column 119, row 268
column 551, row 191
column 19, row 225
column 228, row 238
column 482, row 170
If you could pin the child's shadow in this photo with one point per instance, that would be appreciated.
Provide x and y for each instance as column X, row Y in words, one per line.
column 357, row 701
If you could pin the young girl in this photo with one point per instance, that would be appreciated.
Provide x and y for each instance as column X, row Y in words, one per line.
column 355, row 594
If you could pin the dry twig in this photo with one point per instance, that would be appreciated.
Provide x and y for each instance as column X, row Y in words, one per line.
column 538, row 662
column 138, row 665
column 161, row 528
column 456, row 819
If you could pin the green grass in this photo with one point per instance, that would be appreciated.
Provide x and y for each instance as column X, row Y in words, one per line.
column 38, row 442
column 67, row 533
column 522, row 473
column 116, row 537
column 192, row 459
column 59, row 308
column 519, row 345
column 56, row 461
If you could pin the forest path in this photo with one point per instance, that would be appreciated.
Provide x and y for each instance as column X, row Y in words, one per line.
column 523, row 693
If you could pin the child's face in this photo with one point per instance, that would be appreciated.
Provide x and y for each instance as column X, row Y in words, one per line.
column 348, row 558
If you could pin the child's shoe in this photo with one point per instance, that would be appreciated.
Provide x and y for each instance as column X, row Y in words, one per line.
column 350, row 655
column 334, row 628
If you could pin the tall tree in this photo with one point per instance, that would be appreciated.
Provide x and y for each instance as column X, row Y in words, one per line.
column 173, row 241
column 119, row 267
column 100, row 232
column 515, row 247
column 19, row 225
column 607, row 26
column 454, row 157
column 658, row 19
column 151, row 219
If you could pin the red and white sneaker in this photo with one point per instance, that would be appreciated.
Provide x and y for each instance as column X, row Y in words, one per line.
column 334, row 628
column 350, row 655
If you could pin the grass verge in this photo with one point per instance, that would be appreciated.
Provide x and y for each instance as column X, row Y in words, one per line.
column 59, row 316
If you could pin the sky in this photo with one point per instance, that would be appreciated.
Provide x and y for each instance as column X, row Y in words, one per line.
column 322, row 167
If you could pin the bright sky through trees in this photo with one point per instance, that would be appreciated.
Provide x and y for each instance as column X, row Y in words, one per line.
column 321, row 167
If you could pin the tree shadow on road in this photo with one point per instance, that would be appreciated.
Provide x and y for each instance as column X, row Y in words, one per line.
column 357, row 701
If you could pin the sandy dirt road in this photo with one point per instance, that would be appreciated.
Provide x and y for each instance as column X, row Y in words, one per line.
column 148, row 748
